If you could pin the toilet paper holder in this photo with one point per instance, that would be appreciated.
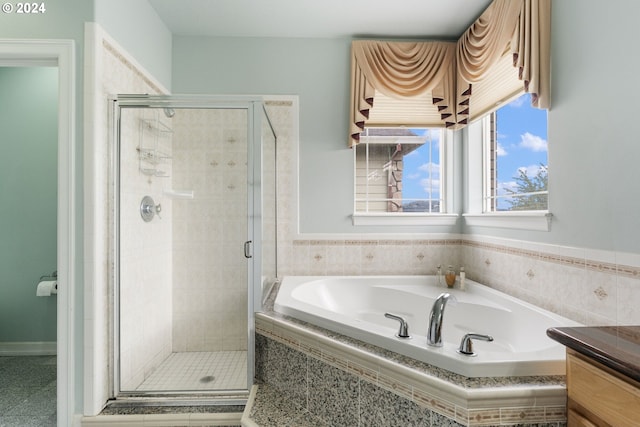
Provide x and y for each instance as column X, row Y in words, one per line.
column 47, row 285
column 52, row 276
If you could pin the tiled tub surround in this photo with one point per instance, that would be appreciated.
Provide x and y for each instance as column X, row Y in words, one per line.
column 344, row 382
column 589, row 287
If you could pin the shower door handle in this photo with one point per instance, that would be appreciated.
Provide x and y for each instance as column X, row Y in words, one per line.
column 247, row 249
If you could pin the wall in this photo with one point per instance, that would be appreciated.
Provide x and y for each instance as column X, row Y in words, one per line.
column 318, row 71
column 28, row 212
column 209, row 282
column 591, row 147
column 586, row 267
column 64, row 19
column 136, row 25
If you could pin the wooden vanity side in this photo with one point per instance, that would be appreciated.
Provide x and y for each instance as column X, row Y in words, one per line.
column 599, row 396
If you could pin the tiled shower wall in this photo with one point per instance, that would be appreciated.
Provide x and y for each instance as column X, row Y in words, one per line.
column 589, row 286
column 145, row 248
column 209, row 270
column 146, row 281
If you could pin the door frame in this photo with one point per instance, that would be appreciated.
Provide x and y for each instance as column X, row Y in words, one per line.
column 254, row 107
column 60, row 53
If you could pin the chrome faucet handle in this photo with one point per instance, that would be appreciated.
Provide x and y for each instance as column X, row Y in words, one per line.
column 403, row 332
column 466, row 345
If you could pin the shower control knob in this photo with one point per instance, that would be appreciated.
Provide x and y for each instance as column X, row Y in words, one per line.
column 148, row 209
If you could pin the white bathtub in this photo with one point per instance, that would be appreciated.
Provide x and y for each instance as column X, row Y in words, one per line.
column 355, row 306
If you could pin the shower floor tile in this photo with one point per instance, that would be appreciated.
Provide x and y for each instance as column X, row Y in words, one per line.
column 219, row 370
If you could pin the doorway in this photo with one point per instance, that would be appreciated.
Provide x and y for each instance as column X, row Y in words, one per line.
column 60, row 54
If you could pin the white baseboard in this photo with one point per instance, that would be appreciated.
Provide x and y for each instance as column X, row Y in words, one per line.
column 40, row 348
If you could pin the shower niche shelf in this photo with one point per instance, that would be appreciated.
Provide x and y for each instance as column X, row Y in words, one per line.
column 154, row 148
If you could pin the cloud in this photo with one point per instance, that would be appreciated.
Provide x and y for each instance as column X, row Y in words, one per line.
column 433, row 167
column 507, row 185
column 531, row 170
column 533, row 142
column 518, row 102
column 500, row 151
column 433, row 184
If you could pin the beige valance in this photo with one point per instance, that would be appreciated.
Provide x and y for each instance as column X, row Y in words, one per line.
column 507, row 27
column 531, row 50
column 398, row 70
column 509, row 35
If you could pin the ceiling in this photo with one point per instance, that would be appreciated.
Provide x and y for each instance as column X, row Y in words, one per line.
column 442, row 19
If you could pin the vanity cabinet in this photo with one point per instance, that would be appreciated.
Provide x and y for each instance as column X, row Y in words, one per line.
column 599, row 396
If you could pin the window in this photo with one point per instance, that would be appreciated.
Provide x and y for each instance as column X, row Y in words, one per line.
column 399, row 170
column 515, row 164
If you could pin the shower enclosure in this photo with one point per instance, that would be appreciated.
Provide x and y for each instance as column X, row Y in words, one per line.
column 194, row 242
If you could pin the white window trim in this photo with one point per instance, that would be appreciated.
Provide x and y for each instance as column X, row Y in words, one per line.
column 530, row 220
column 404, row 218
column 475, row 164
column 419, row 218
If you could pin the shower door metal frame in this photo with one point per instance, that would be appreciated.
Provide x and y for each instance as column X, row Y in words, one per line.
column 254, row 107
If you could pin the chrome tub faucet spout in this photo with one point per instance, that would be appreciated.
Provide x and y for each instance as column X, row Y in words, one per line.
column 434, row 334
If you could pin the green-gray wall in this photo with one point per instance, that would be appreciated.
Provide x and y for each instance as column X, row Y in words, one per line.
column 593, row 153
column 28, row 190
column 65, row 19
column 136, row 26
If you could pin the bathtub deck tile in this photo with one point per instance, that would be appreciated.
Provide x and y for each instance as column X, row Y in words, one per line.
column 351, row 363
column 362, row 371
column 442, row 421
column 382, row 408
column 331, row 359
column 280, row 328
column 462, row 415
column 394, row 386
column 484, row 417
column 435, row 403
column 521, row 415
column 286, row 369
column 333, row 394
column 271, row 408
column 555, row 413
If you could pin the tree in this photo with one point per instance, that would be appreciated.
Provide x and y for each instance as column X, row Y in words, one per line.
column 530, row 193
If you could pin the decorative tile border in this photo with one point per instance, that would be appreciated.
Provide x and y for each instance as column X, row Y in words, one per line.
column 589, row 264
column 515, row 400
column 133, row 68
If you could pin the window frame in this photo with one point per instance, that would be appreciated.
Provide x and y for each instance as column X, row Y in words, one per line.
column 445, row 218
column 477, row 139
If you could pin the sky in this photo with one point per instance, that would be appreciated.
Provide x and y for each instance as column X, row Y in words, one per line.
column 418, row 164
column 522, row 139
column 522, row 143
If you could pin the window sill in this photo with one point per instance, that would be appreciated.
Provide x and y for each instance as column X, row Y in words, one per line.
column 404, row 219
column 534, row 221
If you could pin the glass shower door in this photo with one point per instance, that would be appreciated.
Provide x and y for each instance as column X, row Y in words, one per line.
column 184, row 279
